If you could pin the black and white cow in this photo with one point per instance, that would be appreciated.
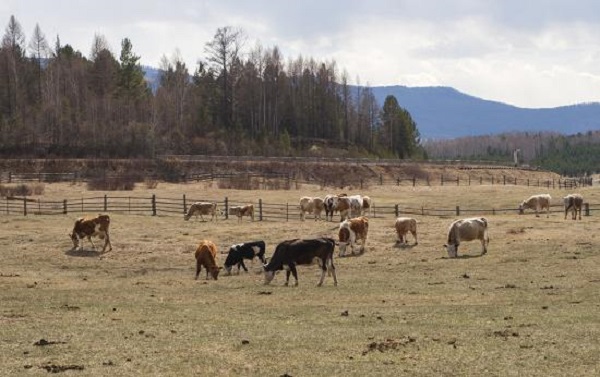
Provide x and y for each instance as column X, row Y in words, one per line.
column 290, row 253
column 248, row 250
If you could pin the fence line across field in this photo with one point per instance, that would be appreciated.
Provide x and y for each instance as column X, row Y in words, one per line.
column 263, row 211
column 262, row 180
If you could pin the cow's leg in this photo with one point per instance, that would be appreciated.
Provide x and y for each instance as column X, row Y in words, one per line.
column 107, row 242
column 242, row 265
column 92, row 242
column 287, row 274
column 323, row 266
column 198, row 268
column 331, row 268
column 483, row 246
column 415, row 235
column 352, row 241
column 294, row 272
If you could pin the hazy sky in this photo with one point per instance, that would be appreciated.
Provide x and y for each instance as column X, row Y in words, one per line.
column 528, row 53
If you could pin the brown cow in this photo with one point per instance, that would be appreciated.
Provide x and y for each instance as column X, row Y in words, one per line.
column 352, row 230
column 86, row 227
column 241, row 211
column 206, row 255
column 573, row 202
column 403, row 226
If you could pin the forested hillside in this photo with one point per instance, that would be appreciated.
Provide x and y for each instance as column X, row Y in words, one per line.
column 576, row 154
column 57, row 101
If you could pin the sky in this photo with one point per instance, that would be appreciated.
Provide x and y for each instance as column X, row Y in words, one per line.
column 527, row 53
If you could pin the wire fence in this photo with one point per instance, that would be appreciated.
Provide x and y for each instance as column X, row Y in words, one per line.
column 264, row 210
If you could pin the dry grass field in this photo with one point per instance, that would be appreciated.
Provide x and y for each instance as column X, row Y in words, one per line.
column 530, row 307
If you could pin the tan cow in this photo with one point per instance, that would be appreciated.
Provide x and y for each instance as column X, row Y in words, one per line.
column 403, row 226
column 87, row 227
column 241, row 211
column 206, row 255
column 311, row 205
column 573, row 202
column 467, row 230
column 537, row 203
column 351, row 231
column 344, row 206
column 202, row 208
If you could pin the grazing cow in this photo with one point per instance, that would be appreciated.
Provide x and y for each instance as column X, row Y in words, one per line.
column 403, row 226
column 330, row 204
column 206, row 255
column 537, row 203
column 86, row 227
column 356, row 205
column 202, row 208
column 290, row 253
column 352, row 230
column 241, row 211
column 467, row 230
column 573, row 202
column 311, row 205
column 247, row 250
column 366, row 205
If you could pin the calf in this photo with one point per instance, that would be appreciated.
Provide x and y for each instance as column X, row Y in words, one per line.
column 467, row 230
column 86, row 227
column 201, row 208
column 248, row 250
column 352, row 230
column 206, row 255
column 537, row 203
column 403, row 226
column 290, row 253
column 573, row 202
column 241, row 211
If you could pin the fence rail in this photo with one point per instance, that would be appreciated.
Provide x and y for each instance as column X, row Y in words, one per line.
column 264, row 211
column 289, row 180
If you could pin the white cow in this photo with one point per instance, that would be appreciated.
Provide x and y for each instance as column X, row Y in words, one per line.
column 467, row 230
column 573, row 202
column 537, row 203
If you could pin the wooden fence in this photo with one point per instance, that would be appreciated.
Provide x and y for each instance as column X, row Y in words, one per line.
column 264, row 210
column 264, row 181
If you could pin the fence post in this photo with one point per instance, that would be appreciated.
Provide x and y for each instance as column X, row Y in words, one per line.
column 153, row 204
column 428, row 180
column 398, row 181
column 226, row 208
column 442, row 180
column 414, row 180
column 469, row 179
column 457, row 211
column 9, row 177
column 65, row 207
column 458, row 181
column 396, row 211
column 492, row 180
column 184, row 205
column 105, row 203
column 24, row 206
column 587, row 208
column 552, row 183
column 504, row 180
column 380, row 179
column 361, row 183
column 287, row 211
column 260, row 218
column 480, row 181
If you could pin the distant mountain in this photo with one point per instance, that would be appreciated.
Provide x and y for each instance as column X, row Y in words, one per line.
column 443, row 112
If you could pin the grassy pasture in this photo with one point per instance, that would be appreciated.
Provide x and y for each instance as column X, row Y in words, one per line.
column 529, row 307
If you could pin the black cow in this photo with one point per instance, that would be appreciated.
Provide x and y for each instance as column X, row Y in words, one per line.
column 248, row 250
column 290, row 253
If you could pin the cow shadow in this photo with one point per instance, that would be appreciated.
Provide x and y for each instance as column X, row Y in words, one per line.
column 350, row 255
column 83, row 253
column 403, row 246
column 465, row 256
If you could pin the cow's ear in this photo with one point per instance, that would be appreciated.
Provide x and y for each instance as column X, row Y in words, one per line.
column 445, row 245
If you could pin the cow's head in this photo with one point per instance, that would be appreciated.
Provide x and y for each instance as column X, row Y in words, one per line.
column 269, row 275
column 452, row 250
column 75, row 239
column 186, row 216
column 214, row 271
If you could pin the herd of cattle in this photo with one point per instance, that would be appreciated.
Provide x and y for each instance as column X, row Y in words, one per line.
column 353, row 227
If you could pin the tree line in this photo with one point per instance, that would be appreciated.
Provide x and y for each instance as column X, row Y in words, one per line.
column 55, row 101
column 573, row 155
